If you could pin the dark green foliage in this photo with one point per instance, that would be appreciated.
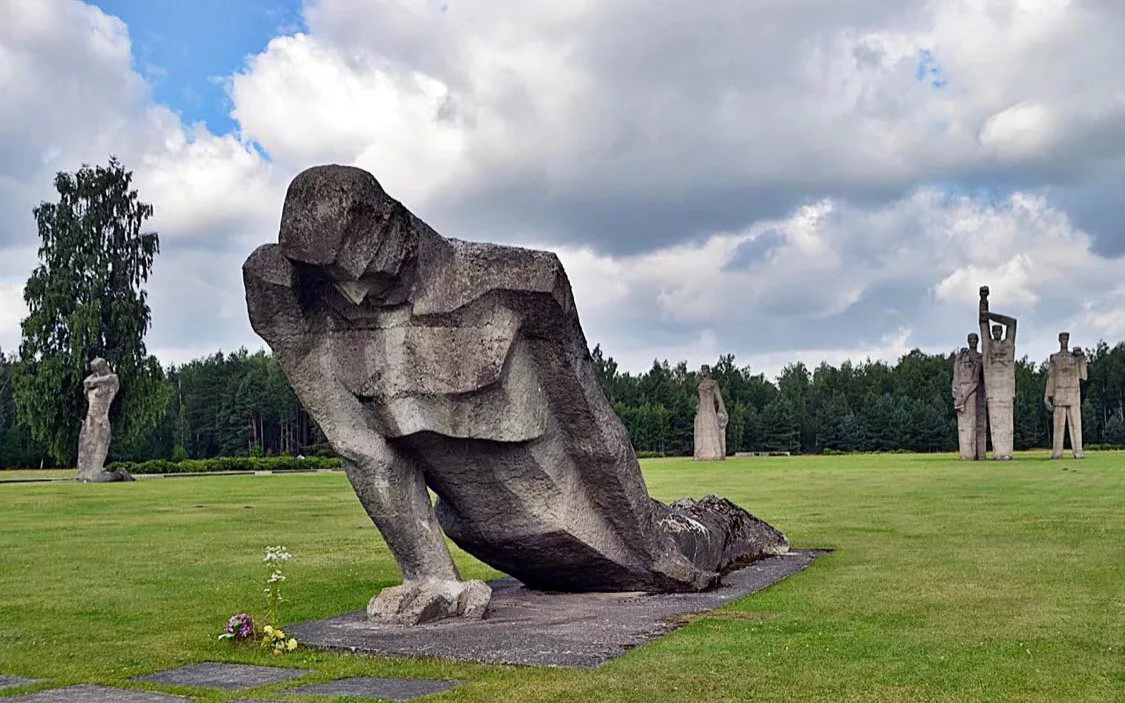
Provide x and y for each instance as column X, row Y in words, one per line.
column 86, row 299
column 227, row 463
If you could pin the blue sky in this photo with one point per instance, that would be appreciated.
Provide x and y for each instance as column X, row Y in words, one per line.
column 184, row 46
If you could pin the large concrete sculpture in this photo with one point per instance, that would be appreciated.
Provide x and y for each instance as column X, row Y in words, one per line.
column 710, row 420
column 1063, row 395
column 999, row 360
column 101, row 387
column 969, row 401
column 433, row 363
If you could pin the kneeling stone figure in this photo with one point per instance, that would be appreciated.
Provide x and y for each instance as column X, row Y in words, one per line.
column 433, row 363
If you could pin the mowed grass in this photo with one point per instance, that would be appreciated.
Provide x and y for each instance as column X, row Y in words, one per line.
column 950, row 581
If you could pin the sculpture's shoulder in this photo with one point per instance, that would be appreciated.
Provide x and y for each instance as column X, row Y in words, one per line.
column 470, row 270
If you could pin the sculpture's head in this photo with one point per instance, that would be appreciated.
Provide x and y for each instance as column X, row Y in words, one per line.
column 997, row 332
column 705, row 371
column 100, row 366
column 974, row 340
column 983, row 292
column 339, row 221
column 1064, row 340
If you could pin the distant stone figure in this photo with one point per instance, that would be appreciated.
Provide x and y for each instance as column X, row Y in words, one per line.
column 999, row 360
column 101, row 387
column 710, row 420
column 1063, row 395
column 969, row 401
column 433, row 363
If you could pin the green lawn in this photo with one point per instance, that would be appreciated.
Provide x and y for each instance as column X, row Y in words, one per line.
column 9, row 474
column 950, row 582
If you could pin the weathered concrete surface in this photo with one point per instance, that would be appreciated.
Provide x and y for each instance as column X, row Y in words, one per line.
column 16, row 682
column 710, row 421
column 433, row 363
column 370, row 687
column 526, row 626
column 233, row 677
column 95, row 694
column 999, row 359
column 1063, row 395
column 101, row 387
column 969, row 401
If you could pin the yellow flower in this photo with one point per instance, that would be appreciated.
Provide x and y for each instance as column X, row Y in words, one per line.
column 291, row 644
column 279, row 634
column 268, row 630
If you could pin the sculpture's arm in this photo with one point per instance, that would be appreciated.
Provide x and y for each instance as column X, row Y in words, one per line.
column 1049, row 388
column 1082, row 371
column 985, row 336
column 390, row 486
column 99, row 381
column 1008, row 322
column 720, row 407
column 961, row 389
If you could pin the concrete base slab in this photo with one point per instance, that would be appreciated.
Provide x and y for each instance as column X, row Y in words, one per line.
column 233, row 677
column 525, row 626
column 369, row 687
column 95, row 694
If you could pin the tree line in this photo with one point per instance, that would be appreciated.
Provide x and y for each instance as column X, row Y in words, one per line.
column 855, row 407
column 86, row 299
column 240, row 404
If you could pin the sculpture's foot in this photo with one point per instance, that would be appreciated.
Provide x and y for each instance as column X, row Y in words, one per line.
column 1056, row 456
column 1079, row 455
column 109, row 477
column 427, row 601
column 1003, row 457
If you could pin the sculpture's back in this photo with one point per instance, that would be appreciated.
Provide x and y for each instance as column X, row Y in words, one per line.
column 461, row 367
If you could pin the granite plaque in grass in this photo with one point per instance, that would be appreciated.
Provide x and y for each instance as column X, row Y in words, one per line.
column 16, row 682
column 234, row 677
column 95, row 694
column 369, row 687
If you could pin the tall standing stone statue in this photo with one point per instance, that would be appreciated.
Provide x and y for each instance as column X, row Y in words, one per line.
column 1063, row 395
column 710, row 420
column 999, row 360
column 433, row 363
column 101, row 388
column 969, row 401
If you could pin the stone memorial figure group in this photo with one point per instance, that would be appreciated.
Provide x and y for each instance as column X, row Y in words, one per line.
column 433, row 364
column 984, row 389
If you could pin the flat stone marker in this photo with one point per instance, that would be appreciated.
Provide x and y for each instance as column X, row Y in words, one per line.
column 232, row 677
column 95, row 694
column 525, row 626
column 16, row 682
column 369, row 687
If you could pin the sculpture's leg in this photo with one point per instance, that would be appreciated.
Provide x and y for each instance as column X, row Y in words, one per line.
column 1074, row 413
column 1001, row 420
column 982, row 425
column 392, row 489
column 1058, row 430
column 394, row 495
column 967, row 431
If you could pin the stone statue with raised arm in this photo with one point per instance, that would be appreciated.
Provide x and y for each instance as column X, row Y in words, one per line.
column 100, row 387
column 710, row 420
column 999, row 359
column 1063, row 395
column 969, row 401
column 434, row 364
